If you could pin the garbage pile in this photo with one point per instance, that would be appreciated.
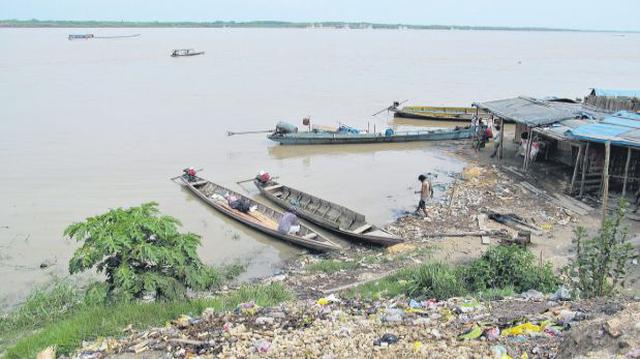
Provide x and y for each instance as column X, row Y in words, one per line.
column 479, row 188
column 529, row 325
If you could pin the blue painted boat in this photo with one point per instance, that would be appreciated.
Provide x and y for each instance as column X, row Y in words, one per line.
column 343, row 137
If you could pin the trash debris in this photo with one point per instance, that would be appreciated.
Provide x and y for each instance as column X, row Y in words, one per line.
column 492, row 333
column 386, row 339
column 561, row 294
column 472, row 333
column 183, row 321
column 525, row 328
column 48, row 353
column 532, row 294
column 323, row 301
column 400, row 248
column 261, row 346
column 612, row 327
column 499, row 352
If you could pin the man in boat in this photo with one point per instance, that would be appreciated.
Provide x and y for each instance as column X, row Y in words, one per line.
column 496, row 141
column 426, row 192
column 190, row 174
column 239, row 204
column 289, row 224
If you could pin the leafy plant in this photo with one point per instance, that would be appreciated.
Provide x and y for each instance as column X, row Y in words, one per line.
column 509, row 266
column 140, row 252
column 599, row 266
column 436, row 280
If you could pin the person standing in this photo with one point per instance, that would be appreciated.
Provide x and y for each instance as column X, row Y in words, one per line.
column 496, row 141
column 426, row 192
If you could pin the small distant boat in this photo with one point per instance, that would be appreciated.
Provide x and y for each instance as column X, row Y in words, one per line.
column 435, row 113
column 186, row 52
column 80, row 36
column 117, row 36
column 261, row 218
column 287, row 134
column 326, row 214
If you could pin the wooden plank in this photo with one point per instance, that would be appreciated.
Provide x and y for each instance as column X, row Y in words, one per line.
column 564, row 203
column 482, row 224
column 513, row 170
column 362, row 228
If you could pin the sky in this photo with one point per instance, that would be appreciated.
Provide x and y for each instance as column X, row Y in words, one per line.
column 619, row 15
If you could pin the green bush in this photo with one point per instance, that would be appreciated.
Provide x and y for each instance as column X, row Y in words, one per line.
column 600, row 264
column 509, row 266
column 436, row 280
column 140, row 252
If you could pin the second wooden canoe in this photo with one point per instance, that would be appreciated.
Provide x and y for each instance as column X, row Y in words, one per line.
column 326, row 214
column 261, row 217
column 464, row 114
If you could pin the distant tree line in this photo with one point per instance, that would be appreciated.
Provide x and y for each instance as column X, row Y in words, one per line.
column 258, row 24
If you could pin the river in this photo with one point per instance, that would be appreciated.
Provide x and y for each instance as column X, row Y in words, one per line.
column 89, row 125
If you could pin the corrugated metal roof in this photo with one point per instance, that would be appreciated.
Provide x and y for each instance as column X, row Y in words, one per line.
column 616, row 92
column 621, row 128
column 536, row 112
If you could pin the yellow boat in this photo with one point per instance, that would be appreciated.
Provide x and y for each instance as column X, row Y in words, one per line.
column 436, row 113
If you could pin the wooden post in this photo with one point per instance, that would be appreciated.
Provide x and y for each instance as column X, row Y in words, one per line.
column 605, row 180
column 626, row 172
column 575, row 168
column 526, row 151
column 501, row 138
column 584, row 168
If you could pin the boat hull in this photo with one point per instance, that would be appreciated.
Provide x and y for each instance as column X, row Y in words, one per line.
column 460, row 114
column 310, row 138
column 381, row 238
column 184, row 55
column 320, row 245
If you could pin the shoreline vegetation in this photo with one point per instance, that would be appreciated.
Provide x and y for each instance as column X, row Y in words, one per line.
column 34, row 23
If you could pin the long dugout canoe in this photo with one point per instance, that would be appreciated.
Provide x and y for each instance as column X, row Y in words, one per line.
column 261, row 218
column 325, row 214
column 334, row 138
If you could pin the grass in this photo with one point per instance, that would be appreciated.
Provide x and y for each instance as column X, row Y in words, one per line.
column 43, row 306
column 500, row 272
column 88, row 322
column 331, row 266
column 387, row 287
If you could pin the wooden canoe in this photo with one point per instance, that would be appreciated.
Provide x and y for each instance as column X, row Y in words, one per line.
column 464, row 114
column 261, row 218
column 334, row 138
column 326, row 214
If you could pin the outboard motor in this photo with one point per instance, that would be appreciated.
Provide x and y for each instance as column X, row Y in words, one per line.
column 285, row 127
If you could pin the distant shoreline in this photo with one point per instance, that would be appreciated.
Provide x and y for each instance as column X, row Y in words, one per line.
column 271, row 24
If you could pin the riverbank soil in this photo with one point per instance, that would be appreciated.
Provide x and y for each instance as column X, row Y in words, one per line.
column 483, row 187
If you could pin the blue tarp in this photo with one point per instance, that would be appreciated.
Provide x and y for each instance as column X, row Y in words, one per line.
column 616, row 92
column 621, row 128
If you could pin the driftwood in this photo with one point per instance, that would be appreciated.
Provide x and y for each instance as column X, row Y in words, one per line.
column 514, row 221
column 492, row 233
column 195, row 343
column 523, row 239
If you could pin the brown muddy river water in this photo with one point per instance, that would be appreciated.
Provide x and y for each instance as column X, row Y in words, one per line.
column 90, row 125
